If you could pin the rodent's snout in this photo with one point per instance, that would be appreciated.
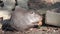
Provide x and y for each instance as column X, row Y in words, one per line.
column 35, row 26
column 38, row 24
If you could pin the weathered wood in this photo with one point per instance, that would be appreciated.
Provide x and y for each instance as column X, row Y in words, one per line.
column 53, row 17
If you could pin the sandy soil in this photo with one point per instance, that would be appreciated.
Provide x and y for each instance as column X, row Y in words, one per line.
column 42, row 30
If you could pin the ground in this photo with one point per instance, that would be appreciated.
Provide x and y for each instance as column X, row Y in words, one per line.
column 42, row 30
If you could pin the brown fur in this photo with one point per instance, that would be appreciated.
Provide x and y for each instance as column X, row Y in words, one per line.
column 23, row 19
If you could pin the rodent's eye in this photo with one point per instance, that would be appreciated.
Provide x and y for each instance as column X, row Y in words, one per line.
column 31, row 12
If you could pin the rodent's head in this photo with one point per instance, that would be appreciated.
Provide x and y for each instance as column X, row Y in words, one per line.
column 34, row 17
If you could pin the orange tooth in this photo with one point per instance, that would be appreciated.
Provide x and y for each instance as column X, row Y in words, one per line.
column 40, row 23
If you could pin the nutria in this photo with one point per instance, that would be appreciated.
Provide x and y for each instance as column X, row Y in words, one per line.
column 23, row 19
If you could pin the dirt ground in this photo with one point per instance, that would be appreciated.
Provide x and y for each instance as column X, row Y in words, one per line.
column 42, row 30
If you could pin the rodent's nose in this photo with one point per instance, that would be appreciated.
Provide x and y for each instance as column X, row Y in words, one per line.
column 35, row 26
